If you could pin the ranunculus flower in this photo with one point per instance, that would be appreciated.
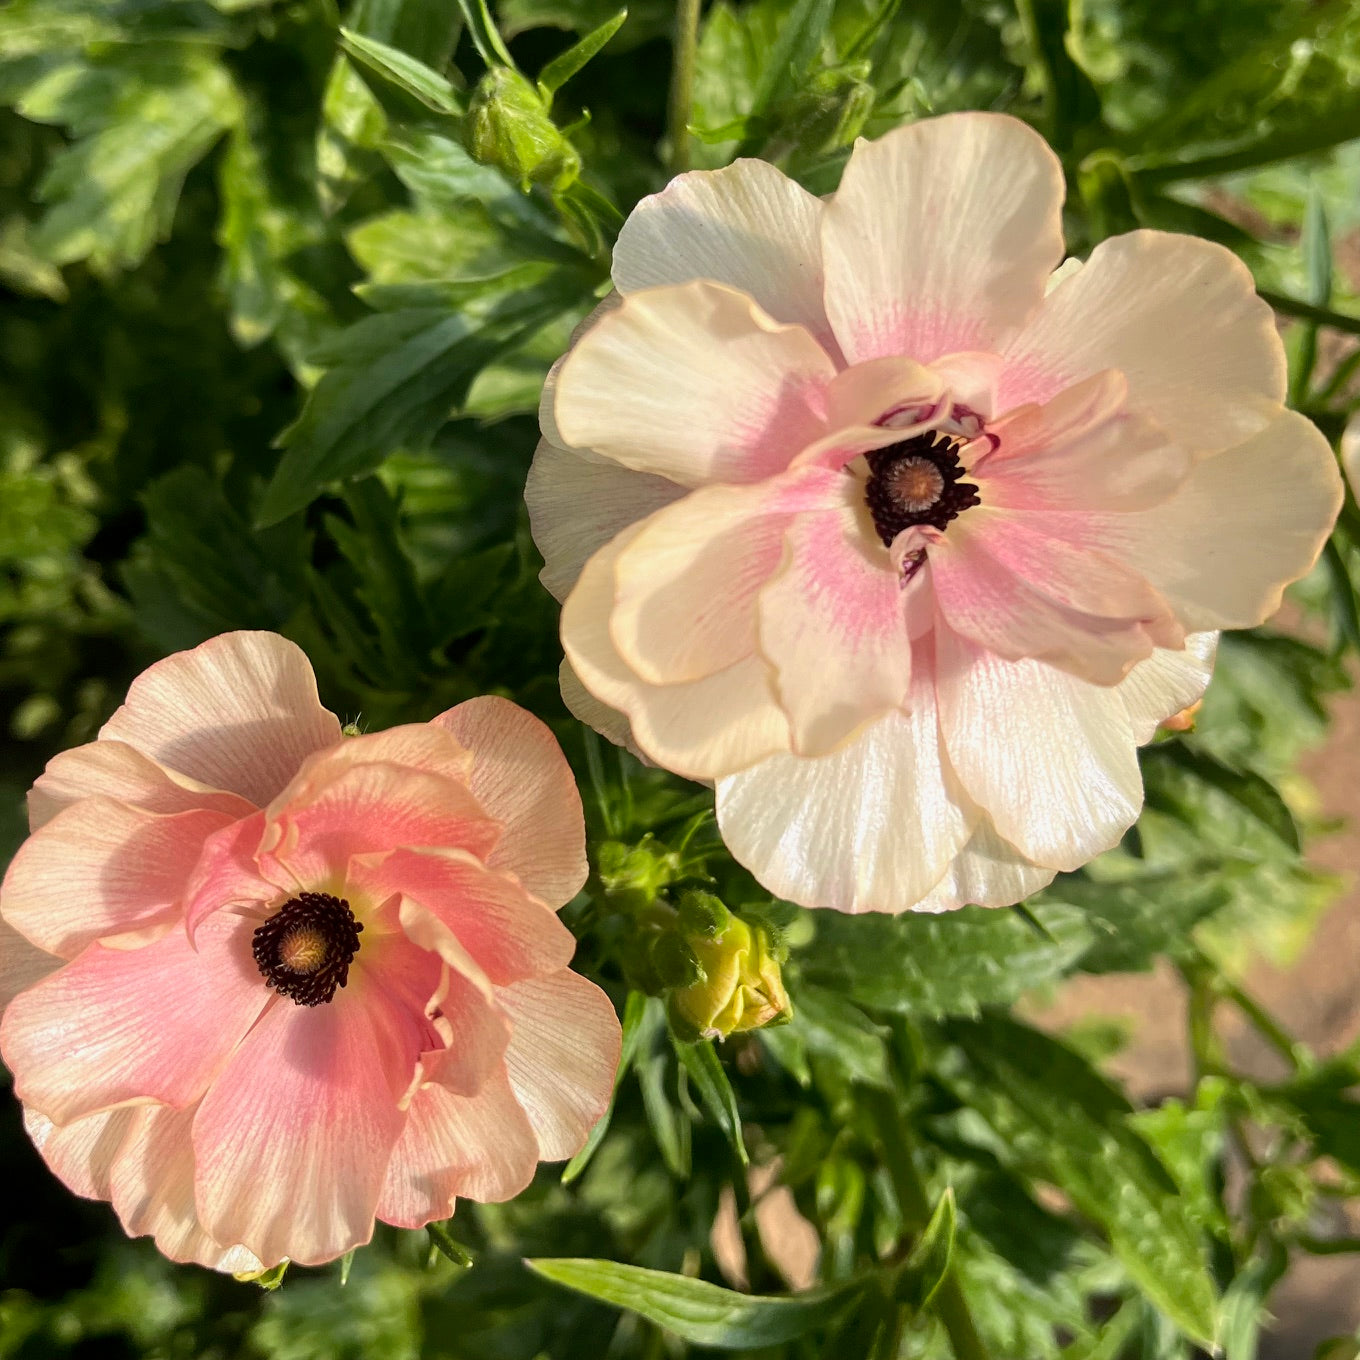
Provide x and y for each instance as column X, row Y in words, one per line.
column 296, row 980
column 903, row 539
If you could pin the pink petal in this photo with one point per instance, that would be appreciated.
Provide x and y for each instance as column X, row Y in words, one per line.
column 101, row 868
column 480, row 1147
column 81, row 1154
column 240, row 712
column 871, row 827
column 747, row 226
column 1179, row 317
column 508, row 933
column 578, row 502
column 833, row 624
column 1158, row 688
column 564, row 1050
column 21, row 964
column 227, row 875
column 475, row 1032
column 724, row 722
column 1050, row 758
column 113, row 769
column 522, row 779
column 125, row 1025
column 293, row 1140
column 696, row 384
column 941, row 237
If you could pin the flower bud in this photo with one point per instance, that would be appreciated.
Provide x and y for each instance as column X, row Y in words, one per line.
column 508, row 126
column 739, row 986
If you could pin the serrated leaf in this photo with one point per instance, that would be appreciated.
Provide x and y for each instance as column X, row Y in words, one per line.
column 405, row 72
column 1064, row 1123
column 695, row 1310
column 562, row 67
column 836, row 1030
column 707, row 1073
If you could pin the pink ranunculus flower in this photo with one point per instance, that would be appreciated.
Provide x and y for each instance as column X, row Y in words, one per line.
column 277, row 982
column 904, row 537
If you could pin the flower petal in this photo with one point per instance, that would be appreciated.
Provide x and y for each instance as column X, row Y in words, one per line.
column 101, row 868
column 21, row 964
column 1168, row 681
column 1246, row 523
column 521, row 778
column 227, row 875
column 1049, row 758
column 748, row 226
column 712, row 726
column 240, row 713
column 1179, row 317
column 113, row 769
column 577, row 503
column 586, row 708
column 987, row 872
column 564, row 1050
column 119, row 1026
column 694, row 383
column 871, row 827
column 941, row 237
column 81, row 1154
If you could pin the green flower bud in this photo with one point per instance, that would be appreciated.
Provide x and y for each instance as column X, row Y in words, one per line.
column 508, row 126
column 740, row 987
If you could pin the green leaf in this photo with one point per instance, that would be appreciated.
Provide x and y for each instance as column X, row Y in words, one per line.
column 836, row 1030
column 448, row 1246
column 706, row 1071
column 1063, row 1122
column 923, row 1272
column 405, row 72
column 695, row 1310
column 634, row 1009
column 562, row 67
column 941, row 965
column 485, row 35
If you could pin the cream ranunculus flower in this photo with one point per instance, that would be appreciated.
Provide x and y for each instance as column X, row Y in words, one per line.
column 906, row 542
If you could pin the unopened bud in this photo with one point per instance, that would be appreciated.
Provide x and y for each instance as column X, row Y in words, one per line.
column 508, row 126
column 1184, row 721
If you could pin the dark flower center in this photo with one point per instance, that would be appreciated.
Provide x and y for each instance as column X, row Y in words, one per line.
column 916, row 482
column 305, row 949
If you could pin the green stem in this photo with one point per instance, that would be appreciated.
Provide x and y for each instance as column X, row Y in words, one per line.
column 898, row 1150
column 1265, row 1024
column 682, row 82
column 1306, row 311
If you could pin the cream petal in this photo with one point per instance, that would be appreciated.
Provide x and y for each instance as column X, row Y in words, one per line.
column 563, row 1053
column 101, row 868
column 712, row 726
column 81, row 1154
column 987, row 872
column 577, row 504
column 1168, row 681
column 1179, row 317
column 696, row 384
column 586, row 708
column 747, row 226
column 941, row 237
column 1049, row 758
column 21, row 964
column 833, row 625
column 869, row 828
column 240, row 713
column 1246, row 523
column 522, row 779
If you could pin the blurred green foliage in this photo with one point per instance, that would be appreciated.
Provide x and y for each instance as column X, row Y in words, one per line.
column 282, row 280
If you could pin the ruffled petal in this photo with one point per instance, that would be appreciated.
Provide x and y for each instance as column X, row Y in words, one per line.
column 577, row 503
column 748, row 226
column 1179, row 317
column 101, row 868
column 712, row 726
column 81, row 1154
column 117, row 1026
column 113, row 769
column 987, row 872
column 833, row 625
column 586, row 708
column 21, row 964
column 1049, row 758
column 871, row 827
column 240, row 713
column 564, row 1050
column 1246, row 523
column 941, row 237
column 522, row 779
column 696, row 384
column 1160, row 687
column 228, row 875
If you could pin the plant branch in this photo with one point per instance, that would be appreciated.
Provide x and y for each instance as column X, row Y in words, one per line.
column 682, row 82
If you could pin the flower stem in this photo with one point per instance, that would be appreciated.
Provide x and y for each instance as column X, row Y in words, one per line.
column 682, row 82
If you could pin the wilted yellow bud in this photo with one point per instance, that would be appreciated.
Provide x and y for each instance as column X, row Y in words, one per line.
column 508, row 126
column 740, row 987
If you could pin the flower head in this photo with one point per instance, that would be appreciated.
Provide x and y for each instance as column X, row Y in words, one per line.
column 901, row 535
column 279, row 982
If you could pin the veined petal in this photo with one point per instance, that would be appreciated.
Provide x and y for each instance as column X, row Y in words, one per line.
column 1049, row 758
column 124, row 1026
column 696, row 384
column 1168, row 681
column 239, row 713
column 941, row 237
column 81, row 1154
column 228, row 875
column 987, row 872
column 1179, row 317
column 747, row 226
column 102, row 868
column 21, row 964
column 522, row 779
column 871, row 827
column 586, row 708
